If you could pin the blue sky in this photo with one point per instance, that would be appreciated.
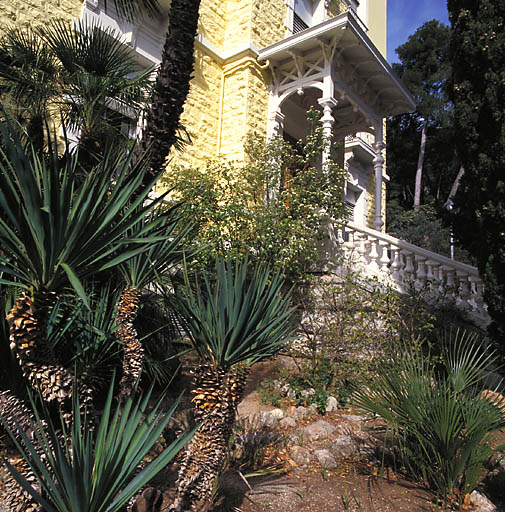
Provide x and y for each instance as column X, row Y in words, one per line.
column 405, row 16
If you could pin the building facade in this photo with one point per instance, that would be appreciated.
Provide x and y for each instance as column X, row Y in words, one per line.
column 260, row 65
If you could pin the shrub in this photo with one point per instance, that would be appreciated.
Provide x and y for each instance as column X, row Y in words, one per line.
column 440, row 419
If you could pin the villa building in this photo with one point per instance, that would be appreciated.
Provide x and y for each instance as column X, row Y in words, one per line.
column 260, row 65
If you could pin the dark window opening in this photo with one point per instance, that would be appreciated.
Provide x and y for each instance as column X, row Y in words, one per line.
column 298, row 24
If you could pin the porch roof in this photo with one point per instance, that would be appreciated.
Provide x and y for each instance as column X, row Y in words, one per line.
column 339, row 47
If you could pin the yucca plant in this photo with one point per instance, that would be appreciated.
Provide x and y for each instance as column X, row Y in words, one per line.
column 139, row 271
column 233, row 321
column 439, row 416
column 54, row 233
column 85, row 338
column 93, row 470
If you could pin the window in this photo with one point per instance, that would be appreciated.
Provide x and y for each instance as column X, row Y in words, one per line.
column 303, row 14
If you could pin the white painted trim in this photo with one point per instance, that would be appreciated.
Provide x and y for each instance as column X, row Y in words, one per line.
column 349, row 21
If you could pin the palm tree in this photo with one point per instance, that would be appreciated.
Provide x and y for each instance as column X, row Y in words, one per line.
column 84, row 72
column 171, row 86
column 53, row 233
column 232, row 323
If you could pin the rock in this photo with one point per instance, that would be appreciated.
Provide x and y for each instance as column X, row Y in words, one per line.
column 319, row 430
column 331, row 404
column 300, row 455
column 268, row 419
column 353, row 418
column 326, row 459
column 278, row 414
column 313, row 410
column 344, row 446
column 301, row 413
column 482, row 503
column 287, row 422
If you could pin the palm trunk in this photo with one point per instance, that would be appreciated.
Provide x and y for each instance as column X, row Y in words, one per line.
column 216, row 395
column 172, row 84
column 419, row 172
column 126, row 333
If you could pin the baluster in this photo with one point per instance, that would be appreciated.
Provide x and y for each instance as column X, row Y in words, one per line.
column 361, row 249
column 421, row 271
column 473, row 299
column 432, row 276
column 384, row 260
column 409, row 270
column 441, row 280
column 463, row 291
column 396, row 266
column 479, row 298
column 373, row 255
column 450, row 285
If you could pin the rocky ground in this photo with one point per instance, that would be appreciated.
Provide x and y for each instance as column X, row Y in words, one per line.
column 293, row 459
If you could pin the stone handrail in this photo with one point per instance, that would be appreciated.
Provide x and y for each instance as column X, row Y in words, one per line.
column 407, row 267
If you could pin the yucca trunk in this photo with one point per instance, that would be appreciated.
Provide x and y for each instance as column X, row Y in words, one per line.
column 28, row 330
column 133, row 352
column 215, row 395
column 27, row 321
column 13, row 413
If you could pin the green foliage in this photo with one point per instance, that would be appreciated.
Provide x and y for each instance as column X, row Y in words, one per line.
column 269, row 393
column 347, row 320
column 440, row 421
column 286, row 232
column 424, row 227
column 55, row 231
column 478, row 92
column 94, row 470
column 238, row 317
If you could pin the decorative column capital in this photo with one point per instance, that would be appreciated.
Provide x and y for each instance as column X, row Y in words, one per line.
column 91, row 4
column 328, row 103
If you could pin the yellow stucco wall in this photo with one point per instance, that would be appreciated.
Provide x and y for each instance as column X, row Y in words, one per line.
column 377, row 23
column 36, row 12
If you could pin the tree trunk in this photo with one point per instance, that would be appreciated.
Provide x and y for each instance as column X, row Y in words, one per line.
column 454, row 188
column 172, row 84
column 216, row 395
column 133, row 354
column 419, row 172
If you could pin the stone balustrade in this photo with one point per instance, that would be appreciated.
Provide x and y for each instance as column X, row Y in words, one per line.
column 407, row 268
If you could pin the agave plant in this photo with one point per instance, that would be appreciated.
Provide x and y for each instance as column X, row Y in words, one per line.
column 54, row 232
column 437, row 410
column 92, row 470
column 232, row 322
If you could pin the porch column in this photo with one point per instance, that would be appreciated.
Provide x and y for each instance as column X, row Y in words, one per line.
column 276, row 124
column 378, row 164
column 328, row 121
